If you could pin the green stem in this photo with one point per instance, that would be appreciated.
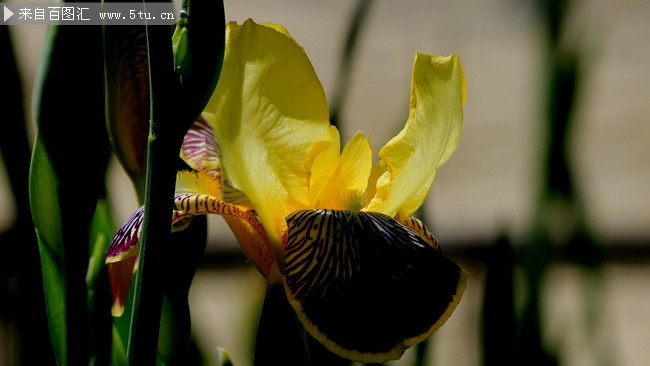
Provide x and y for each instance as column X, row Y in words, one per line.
column 163, row 148
column 280, row 339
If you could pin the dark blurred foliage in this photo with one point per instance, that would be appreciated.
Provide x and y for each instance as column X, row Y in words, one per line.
column 498, row 332
column 22, row 309
column 561, row 219
column 176, row 343
column 67, row 181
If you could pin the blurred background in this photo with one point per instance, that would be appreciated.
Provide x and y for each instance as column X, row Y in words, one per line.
column 546, row 201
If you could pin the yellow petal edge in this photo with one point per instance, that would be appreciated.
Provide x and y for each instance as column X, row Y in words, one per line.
column 429, row 138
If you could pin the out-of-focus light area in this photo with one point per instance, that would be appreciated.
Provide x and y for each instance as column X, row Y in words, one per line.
column 490, row 186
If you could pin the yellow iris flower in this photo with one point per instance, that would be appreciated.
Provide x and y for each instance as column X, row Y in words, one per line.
column 365, row 278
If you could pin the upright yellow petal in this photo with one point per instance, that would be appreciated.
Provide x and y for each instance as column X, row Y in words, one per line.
column 278, row 27
column 268, row 112
column 326, row 162
column 356, row 162
column 378, row 171
column 430, row 136
column 339, row 179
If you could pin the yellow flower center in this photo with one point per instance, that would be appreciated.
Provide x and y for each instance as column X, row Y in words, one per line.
column 331, row 192
column 338, row 179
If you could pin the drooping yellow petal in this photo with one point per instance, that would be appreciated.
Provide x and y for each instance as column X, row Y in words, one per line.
column 430, row 136
column 268, row 112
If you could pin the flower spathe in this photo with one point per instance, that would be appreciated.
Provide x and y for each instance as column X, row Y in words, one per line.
column 365, row 278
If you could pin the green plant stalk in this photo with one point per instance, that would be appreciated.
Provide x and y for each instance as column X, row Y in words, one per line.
column 175, row 344
column 163, row 146
column 179, row 89
column 280, row 338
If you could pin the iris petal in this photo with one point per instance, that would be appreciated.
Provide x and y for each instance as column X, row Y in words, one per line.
column 366, row 286
column 356, row 162
column 430, row 136
column 418, row 227
column 201, row 151
column 121, row 259
column 268, row 112
column 120, row 274
column 127, row 96
column 126, row 240
column 325, row 163
column 339, row 179
column 122, row 252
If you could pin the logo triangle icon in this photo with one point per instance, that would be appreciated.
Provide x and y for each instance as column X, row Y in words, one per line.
column 8, row 13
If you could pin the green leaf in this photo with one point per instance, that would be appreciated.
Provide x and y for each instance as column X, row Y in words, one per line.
column 66, row 179
column 99, row 298
column 118, row 356
column 101, row 230
column 42, row 182
column 45, row 207
column 53, row 285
